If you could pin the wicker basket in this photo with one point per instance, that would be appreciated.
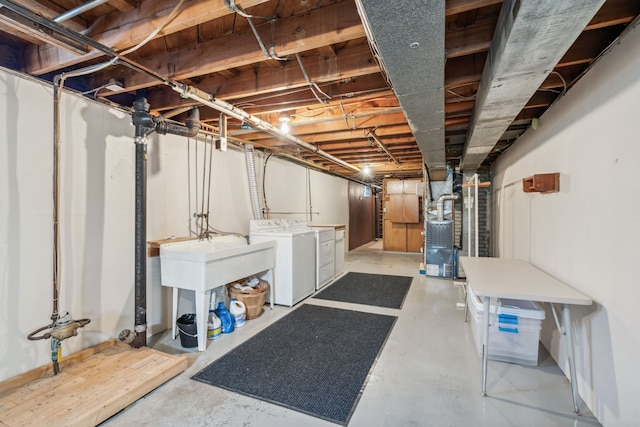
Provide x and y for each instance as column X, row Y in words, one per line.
column 253, row 299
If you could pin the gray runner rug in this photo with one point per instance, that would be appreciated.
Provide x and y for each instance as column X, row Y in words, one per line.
column 380, row 290
column 315, row 360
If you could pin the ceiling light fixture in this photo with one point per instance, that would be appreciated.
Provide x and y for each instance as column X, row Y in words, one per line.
column 284, row 118
column 366, row 170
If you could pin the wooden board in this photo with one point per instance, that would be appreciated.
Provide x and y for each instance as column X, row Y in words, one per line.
column 92, row 385
column 154, row 245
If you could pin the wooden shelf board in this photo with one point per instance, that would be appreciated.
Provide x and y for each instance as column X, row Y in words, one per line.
column 154, row 245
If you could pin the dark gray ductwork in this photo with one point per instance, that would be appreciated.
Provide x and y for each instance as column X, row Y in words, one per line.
column 146, row 123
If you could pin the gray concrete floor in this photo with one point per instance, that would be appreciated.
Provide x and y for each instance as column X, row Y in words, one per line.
column 428, row 373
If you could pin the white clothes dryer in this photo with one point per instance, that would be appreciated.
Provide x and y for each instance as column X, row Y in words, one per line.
column 325, row 249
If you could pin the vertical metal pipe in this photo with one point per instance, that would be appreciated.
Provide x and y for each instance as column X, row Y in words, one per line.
column 468, row 221
column 143, row 122
column 57, row 92
column 477, row 208
column 140, row 240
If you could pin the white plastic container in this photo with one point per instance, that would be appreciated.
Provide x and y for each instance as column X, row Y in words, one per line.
column 238, row 310
column 514, row 329
column 214, row 325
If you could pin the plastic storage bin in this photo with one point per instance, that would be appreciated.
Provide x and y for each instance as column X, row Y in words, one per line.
column 514, row 329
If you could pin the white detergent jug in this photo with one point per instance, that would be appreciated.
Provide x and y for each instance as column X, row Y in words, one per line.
column 238, row 310
column 214, row 325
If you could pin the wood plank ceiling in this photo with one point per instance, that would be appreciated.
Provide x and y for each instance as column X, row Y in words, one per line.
column 316, row 66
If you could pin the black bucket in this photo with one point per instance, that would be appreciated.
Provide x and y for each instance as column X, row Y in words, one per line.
column 188, row 330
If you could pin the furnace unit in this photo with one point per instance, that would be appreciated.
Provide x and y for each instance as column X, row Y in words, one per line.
column 440, row 253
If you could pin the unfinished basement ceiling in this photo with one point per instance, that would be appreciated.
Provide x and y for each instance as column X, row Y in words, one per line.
column 393, row 112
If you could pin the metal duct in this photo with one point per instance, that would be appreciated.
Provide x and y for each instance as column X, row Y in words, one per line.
column 407, row 37
column 253, row 181
column 530, row 39
column 440, row 204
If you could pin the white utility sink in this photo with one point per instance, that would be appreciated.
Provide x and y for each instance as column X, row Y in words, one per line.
column 201, row 266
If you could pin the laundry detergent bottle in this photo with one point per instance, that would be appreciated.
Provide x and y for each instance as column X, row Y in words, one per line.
column 238, row 310
column 214, row 325
column 225, row 318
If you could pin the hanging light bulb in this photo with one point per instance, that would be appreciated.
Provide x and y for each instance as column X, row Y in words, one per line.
column 366, row 170
column 284, row 122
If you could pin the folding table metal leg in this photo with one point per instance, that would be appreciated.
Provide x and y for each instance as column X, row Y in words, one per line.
column 566, row 323
column 485, row 344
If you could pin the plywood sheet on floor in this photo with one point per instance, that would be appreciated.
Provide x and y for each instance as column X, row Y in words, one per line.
column 92, row 385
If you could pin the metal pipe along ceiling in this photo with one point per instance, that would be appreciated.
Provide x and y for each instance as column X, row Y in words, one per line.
column 78, row 10
column 230, row 110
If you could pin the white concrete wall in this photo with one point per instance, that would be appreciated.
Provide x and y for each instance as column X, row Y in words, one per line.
column 587, row 234
column 97, row 215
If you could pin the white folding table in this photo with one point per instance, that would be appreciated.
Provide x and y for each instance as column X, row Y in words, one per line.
column 517, row 279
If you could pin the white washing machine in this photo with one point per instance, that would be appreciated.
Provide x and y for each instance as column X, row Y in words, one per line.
column 295, row 259
column 325, row 237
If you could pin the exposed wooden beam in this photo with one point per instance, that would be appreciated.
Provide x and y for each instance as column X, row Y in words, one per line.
column 350, row 63
column 614, row 12
column 336, row 23
column 469, row 40
column 124, row 30
column 50, row 9
column 24, row 25
column 341, row 136
column 588, row 45
column 464, row 69
column 454, row 7
column 123, row 5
